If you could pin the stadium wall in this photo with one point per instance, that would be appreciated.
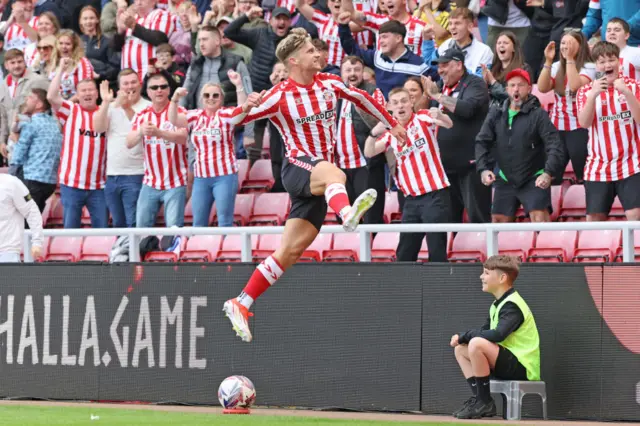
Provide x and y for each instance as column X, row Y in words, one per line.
column 354, row 336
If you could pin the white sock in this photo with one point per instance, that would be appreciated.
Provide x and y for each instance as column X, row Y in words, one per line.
column 245, row 300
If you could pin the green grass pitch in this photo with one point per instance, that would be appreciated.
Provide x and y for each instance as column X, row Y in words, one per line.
column 75, row 416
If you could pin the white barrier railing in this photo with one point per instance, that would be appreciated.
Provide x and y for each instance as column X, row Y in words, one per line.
column 365, row 231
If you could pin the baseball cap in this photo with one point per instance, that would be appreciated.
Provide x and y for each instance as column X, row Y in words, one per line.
column 226, row 19
column 450, row 55
column 519, row 72
column 281, row 11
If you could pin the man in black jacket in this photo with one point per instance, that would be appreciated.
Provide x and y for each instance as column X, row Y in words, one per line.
column 528, row 153
column 263, row 42
column 465, row 99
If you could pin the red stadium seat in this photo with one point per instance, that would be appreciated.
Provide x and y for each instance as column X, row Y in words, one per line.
column 85, row 220
column 243, row 172
column 423, row 255
column 636, row 248
column 597, row 246
column 46, row 213
column 314, row 252
column 201, row 248
column 546, row 99
column 64, row 249
column 266, row 145
column 469, row 247
column 163, row 256
column 556, row 202
column 516, row 243
column 574, row 205
column 617, row 212
column 554, row 247
column 569, row 174
column 56, row 217
column 392, row 208
column 270, row 209
column 96, row 249
column 188, row 213
column 242, row 210
column 232, row 246
column 266, row 246
column 331, row 218
column 384, row 247
column 260, row 178
column 346, row 248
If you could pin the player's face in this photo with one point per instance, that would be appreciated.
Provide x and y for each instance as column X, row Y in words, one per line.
column 414, row 89
column 158, row 90
column 87, row 94
column 308, row 58
column 616, row 34
column 280, row 25
column 491, row 280
column 88, row 22
column 505, row 48
column 389, row 42
column 352, row 73
column 65, row 46
column 16, row 66
column 130, row 84
column 45, row 26
column 518, row 90
column 459, row 28
column 401, row 106
column 610, row 66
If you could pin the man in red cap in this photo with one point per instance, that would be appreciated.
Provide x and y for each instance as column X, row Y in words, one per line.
column 518, row 151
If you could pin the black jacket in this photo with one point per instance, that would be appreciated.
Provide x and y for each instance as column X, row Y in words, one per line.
column 105, row 61
column 499, row 9
column 263, row 42
column 532, row 143
column 457, row 143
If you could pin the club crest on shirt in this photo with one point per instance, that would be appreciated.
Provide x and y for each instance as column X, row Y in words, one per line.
column 166, row 126
column 413, row 131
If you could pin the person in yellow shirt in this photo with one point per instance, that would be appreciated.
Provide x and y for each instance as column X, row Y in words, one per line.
column 436, row 14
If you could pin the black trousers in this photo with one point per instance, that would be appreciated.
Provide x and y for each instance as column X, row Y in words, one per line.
column 534, row 51
column 376, row 180
column 276, row 152
column 40, row 192
column 575, row 148
column 357, row 182
column 433, row 207
column 467, row 191
column 254, row 152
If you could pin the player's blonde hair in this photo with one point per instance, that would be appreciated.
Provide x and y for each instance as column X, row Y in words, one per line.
column 297, row 38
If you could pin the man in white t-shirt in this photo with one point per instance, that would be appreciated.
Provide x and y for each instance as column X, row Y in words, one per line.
column 125, row 167
column 618, row 32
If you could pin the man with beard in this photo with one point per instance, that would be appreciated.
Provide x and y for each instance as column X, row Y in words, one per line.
column 125, row 167
column 263, row 42
column 82, row 170
column 528, row 153
column 353, row 130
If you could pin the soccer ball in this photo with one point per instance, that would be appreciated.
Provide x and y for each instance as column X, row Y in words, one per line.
column 236, row 392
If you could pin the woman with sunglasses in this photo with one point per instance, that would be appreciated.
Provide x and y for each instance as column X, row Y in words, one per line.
column 574, row 70
column 216, row 170
column 70, row 46
column 47, row 25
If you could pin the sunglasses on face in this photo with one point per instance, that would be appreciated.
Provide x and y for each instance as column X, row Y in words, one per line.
column 211, row 95
column 159, row 87
column 45, row 47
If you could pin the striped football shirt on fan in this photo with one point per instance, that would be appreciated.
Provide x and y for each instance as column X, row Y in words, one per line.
column 84, row 152
column 365, row 6
column 30, row 53
column 614, row 136
column 328, row 32
column 165, row 163
column 137, row 53
column 419, row 169
column 16, row 38
column 305, row 116
column 69, row 81
column 212, row 138
column 564, row 113
column 630, row 62
column 413, row 39
column 348, row 153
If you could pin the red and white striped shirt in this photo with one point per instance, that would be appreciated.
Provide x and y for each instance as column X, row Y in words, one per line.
column 30, row 53
column 614, row 136
column 12, row 84
column 419, row 168
column 137, row 53
column 564, row 113
column 16, row 38
column 69, row 81
column 212, row 138
column 630, row 62
column 165, row 163
column 348, row 153
column 328, row 31
column 84, row 152
column 413, row 39
column 365, row 6
column 305, row 116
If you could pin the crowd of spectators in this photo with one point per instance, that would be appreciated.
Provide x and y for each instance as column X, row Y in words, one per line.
column 125, row 106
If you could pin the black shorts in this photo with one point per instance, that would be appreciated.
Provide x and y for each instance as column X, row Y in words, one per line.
column 508, row 367
column 600, row 195
column 296, row 179
column 507, row 198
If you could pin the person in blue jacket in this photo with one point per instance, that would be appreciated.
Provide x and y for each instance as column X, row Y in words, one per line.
column 601, row 11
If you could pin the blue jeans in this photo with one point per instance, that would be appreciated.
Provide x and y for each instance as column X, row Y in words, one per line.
column 149, row 203
column 222, row 190
column 73, row 200
column 121, row 194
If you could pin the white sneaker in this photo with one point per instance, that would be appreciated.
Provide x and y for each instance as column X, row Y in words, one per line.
column 360, row 206
column 239, row 317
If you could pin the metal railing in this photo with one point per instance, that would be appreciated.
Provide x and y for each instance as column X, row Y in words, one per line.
column 491, row 229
